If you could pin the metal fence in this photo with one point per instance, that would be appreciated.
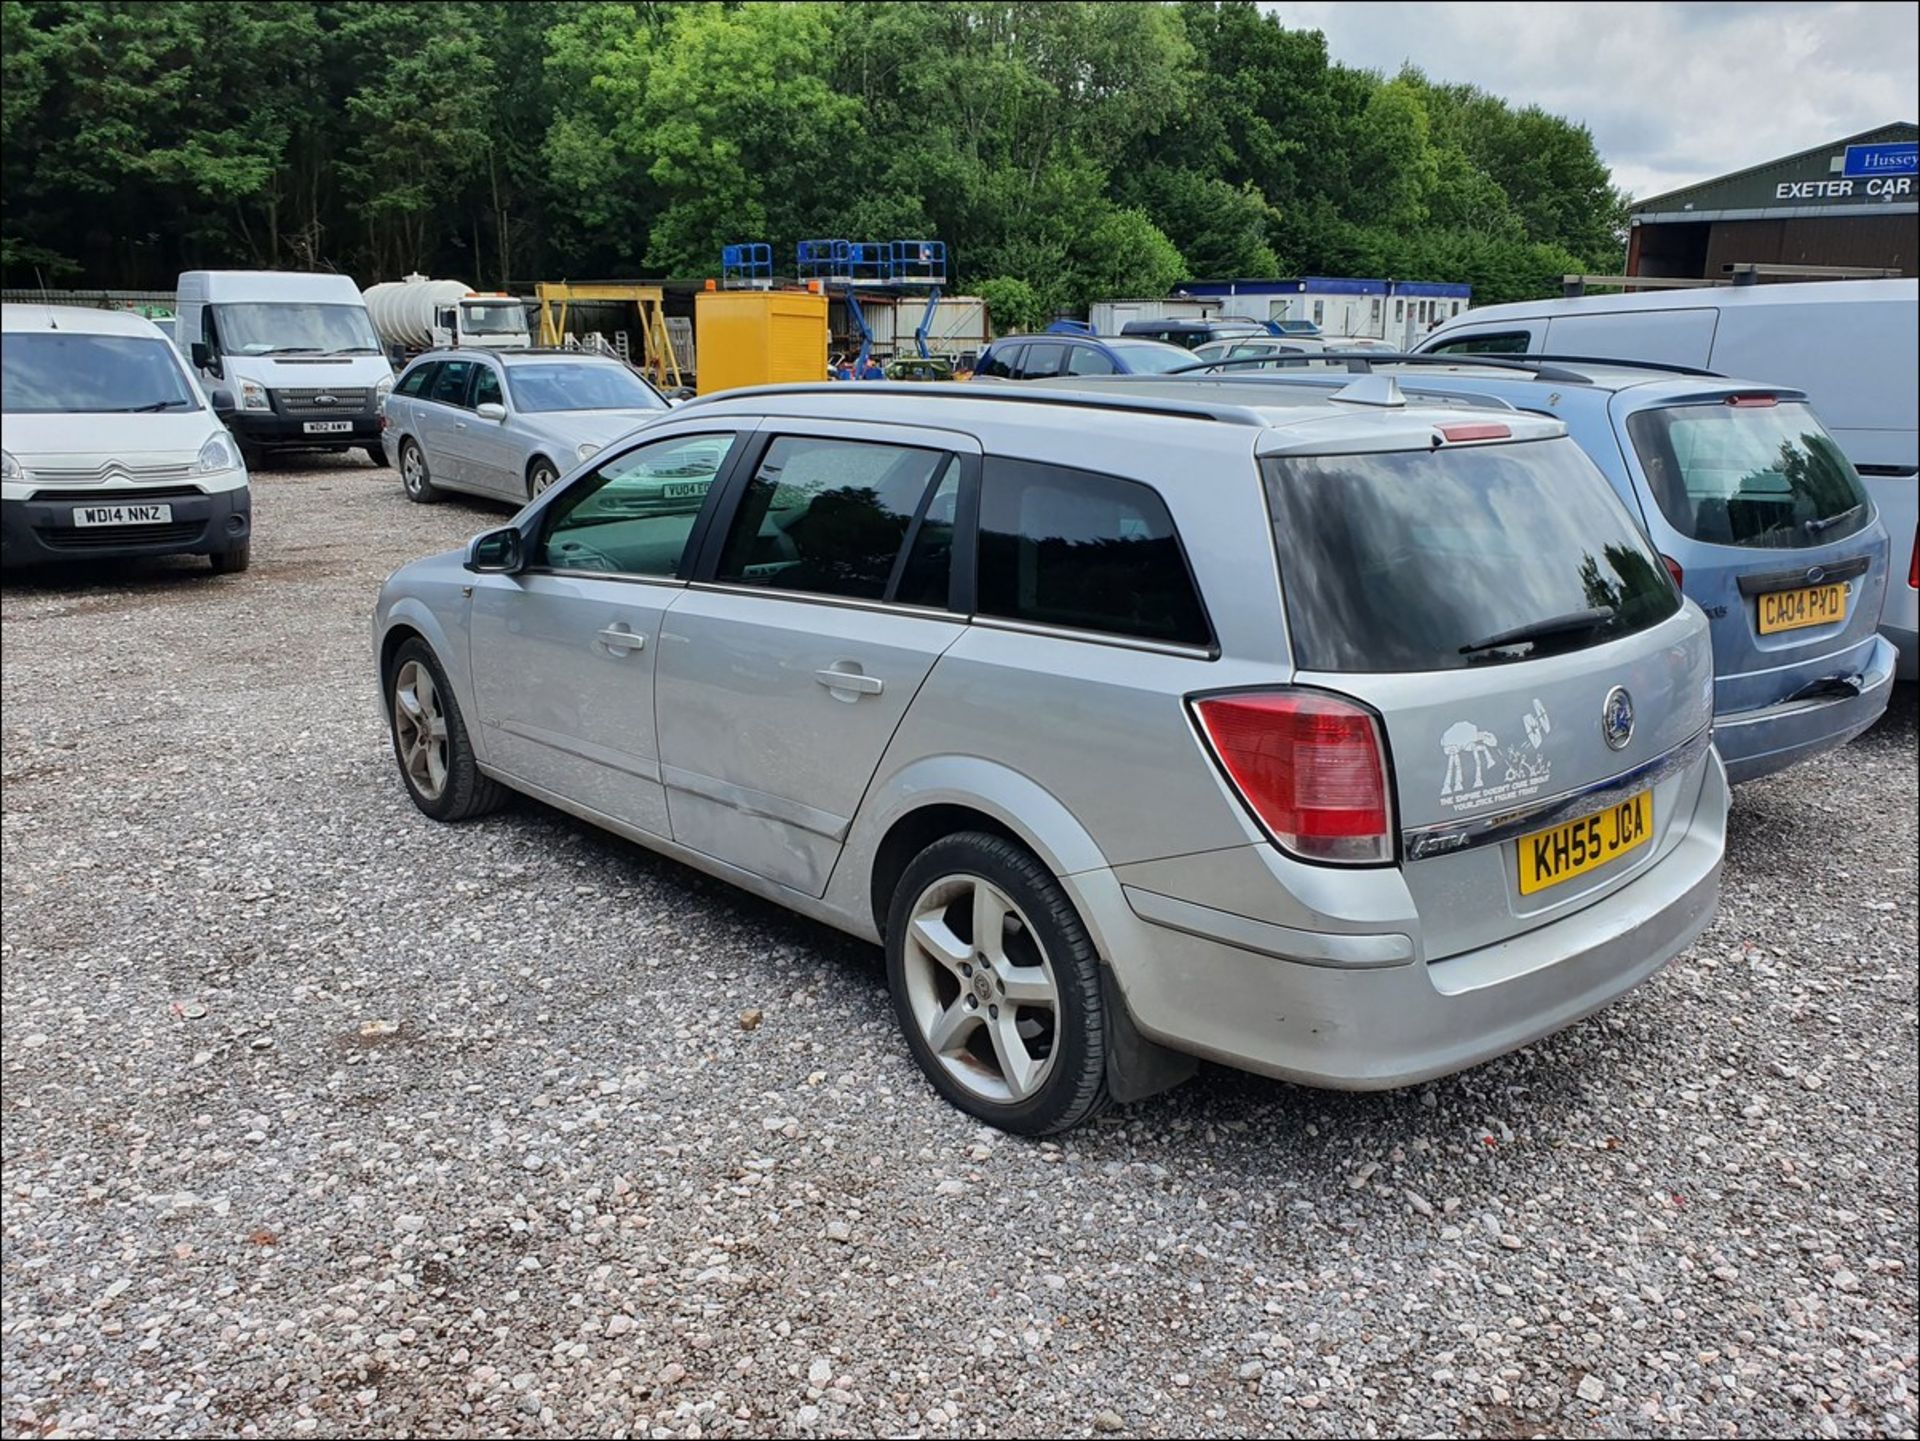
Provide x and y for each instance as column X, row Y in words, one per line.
column 140, row 300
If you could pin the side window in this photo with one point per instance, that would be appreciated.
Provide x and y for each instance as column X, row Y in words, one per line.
column 827, row 517
column 923, row 578
column 632, row 514
column 418, row 380
column 486, row 385
column 1041, row 360
column 1091, row 552
column 1007, row 361
column 993, row 363
column 1085, row 360
column 450, row 385
column 1511, row 342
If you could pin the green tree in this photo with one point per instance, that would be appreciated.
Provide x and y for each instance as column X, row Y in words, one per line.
column 1013, row 306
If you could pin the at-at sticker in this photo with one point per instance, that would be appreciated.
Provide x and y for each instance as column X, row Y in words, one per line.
column 1483, row 772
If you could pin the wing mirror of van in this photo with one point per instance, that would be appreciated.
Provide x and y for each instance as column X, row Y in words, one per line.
column 204, row 358
column 490, row 410
column 222, row 399
column 498, row 552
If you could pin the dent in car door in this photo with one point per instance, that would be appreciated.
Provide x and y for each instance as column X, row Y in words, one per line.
column 776, row 705
column 563, row 653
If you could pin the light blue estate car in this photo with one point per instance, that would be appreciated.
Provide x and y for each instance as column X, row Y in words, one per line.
column 1755, row 511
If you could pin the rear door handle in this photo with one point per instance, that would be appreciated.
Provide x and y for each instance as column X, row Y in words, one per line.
column 623, row 640
column 850, row 680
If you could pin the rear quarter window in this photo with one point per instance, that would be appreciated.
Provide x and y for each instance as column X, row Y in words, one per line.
column 1413, row 560
column 1084, row 551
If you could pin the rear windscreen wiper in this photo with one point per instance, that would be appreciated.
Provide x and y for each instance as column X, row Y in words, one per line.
column 1817, row 527
column 1573, row 623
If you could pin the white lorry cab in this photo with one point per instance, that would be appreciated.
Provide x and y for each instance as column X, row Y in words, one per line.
column 296, row 350
column 1852, row 345
column 416, row 314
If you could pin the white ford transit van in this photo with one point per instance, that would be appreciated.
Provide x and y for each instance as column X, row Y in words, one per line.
column 297, row 351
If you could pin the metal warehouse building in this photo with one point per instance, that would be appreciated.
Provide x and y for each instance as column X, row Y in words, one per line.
column 1855, row 202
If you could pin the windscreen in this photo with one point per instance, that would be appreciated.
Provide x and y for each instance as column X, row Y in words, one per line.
column 67, row 373
column 1748, row 474
column 506, row 317
column 280, row 327
column 1463, row 555
column 590, row 386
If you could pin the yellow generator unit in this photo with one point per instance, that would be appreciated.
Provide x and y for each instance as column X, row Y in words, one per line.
column 758, row 337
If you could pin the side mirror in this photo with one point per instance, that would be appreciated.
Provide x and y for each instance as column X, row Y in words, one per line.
column 222, row 402
column 495, row 553
column 203, row 358
column 490, row 410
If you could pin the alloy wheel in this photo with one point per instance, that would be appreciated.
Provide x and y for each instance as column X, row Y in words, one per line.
column 981, row 988
column 421, row 727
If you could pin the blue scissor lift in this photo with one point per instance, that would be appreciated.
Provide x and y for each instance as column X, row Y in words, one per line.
column 844, row 267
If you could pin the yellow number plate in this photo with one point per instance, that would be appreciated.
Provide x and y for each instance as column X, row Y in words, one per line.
column 1550, row 857
column 1810, row 605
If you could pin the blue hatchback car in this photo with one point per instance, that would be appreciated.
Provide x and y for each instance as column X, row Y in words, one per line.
column 1042, row 357
column 1760, row 518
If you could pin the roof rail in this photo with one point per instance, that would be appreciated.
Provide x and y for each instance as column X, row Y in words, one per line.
column 1361, row 362
column 1745, row 272
column 1012, row 391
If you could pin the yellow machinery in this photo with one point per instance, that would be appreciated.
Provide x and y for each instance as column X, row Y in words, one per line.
column 759, row 337
column 656, row 347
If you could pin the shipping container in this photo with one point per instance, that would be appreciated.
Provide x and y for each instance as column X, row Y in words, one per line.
column 759, row 337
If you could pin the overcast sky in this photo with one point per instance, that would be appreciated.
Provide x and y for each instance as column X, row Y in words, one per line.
column 1673, row 93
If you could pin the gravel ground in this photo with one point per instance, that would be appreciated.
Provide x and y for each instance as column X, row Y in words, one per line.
column 321, row 1119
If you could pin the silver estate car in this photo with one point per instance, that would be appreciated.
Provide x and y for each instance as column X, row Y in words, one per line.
column 1340, row 738
column 507, row 424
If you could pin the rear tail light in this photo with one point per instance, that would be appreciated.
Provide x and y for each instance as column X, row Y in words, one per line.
column 1913, row 570
column 1673, row 569
column 1759, row 400
column 1312, row 767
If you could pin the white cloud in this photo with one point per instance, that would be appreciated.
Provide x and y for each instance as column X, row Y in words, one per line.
column 1673, row 93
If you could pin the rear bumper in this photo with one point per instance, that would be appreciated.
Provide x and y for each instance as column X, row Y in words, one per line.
column 1365, row 1013
column 264, row 430
column 1759, row 742
column 42, row 532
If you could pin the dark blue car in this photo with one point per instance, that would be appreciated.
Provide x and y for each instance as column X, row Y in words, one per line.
column 1041, row 357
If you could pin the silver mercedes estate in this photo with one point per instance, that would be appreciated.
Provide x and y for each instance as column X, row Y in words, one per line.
column 1347, row 738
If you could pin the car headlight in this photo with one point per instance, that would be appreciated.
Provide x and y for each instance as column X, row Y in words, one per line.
column 13, row 470
column 587, row 450
column 216, row 454
column 253, row 396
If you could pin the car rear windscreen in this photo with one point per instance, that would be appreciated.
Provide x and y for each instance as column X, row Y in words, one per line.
column 1752, row 472
column 1462, row 555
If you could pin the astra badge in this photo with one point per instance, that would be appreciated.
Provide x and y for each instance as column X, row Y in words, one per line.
column 1616, row 718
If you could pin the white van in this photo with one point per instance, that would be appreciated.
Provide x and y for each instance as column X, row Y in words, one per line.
column 1851, row 345
column 110, row 447
column 298, row 352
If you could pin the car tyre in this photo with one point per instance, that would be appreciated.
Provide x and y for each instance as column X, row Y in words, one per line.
column 415, row 479
column 1009, row 1027
column 233, row 560
column 541, row 474
column 430, row 739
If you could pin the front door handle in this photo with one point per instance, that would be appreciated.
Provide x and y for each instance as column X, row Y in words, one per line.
column 850, row 680
column 620, row 639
